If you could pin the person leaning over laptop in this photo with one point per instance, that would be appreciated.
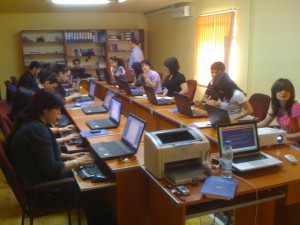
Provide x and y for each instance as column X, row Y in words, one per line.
column 63, row 73
column 139, row 80
column 232, row 98
column 285, row 109
column 210, row 93
column 35, row 155
column 151, row 77
column 175, row 81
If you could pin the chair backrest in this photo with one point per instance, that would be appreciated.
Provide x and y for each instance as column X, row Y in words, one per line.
column 192, row 86
column 14, row 80
column 12, row 178
column 10, row 90
column 260, row 104
column 5, row 124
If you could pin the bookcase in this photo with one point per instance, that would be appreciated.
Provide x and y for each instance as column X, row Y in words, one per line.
column 92, row 47
column 43, row 46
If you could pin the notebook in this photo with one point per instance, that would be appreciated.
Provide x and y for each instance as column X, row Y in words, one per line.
column 130, row 91
column 129, row 143
column 114, row 117
column 217, row 116
column 76, row 89
column 151, row 96
column 244, row 141
column 100, row 108
column 91, row 95
column 184, row 107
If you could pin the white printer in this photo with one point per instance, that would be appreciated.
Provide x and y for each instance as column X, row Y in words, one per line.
column 176, row 154
column 269, row 136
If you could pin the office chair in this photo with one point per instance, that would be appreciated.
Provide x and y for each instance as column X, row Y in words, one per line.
column 14, row 80
column 10, row 90
column 192, row 86
column 260, row 104
column 41, row 199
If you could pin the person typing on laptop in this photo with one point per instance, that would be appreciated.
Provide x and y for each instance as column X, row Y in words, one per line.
column 232, row 98
column 285, row 109
column 63, row 73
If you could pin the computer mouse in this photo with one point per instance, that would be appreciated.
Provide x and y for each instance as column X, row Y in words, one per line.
column 98, row 178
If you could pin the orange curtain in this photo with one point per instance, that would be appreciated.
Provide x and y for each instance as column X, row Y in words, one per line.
column 214, row 38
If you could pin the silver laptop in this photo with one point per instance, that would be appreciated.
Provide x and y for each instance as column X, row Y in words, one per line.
column 129, row 143
column 244, row 141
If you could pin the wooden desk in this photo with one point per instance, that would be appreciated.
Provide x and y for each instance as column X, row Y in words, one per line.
column 152, row 203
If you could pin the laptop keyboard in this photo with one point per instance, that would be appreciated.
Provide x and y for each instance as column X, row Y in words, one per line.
column 89, row 171
column 100, row 123
column 76, row 141
column 164, row 102
column 63, row 121
column 197, row 112
column 115, row 148
column 248, row 158
column 94, row 109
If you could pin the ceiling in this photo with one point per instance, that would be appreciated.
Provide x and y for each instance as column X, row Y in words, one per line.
column 45, row 6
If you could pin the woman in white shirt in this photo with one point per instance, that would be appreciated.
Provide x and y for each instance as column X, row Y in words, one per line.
column 232, row 98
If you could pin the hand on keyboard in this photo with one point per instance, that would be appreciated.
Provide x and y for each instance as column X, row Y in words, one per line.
column 67, row 128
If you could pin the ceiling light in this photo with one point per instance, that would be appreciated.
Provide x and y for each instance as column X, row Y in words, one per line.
column 84, row 2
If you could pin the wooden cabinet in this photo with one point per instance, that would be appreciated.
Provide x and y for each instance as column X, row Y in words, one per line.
column 92, row 47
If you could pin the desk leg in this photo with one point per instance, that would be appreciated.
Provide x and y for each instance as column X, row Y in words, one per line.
column 246, row 215
column 163, row 210
column 132, row 197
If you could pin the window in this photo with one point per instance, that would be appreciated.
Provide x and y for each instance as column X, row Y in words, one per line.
column 215, row 35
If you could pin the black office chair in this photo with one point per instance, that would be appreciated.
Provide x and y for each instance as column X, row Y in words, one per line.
column 42, row 199
column 260, row 104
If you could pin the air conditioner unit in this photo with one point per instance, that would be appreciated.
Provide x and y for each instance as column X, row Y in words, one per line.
column 180, row 11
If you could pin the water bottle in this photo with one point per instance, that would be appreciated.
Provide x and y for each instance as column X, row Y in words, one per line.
column 227, row 156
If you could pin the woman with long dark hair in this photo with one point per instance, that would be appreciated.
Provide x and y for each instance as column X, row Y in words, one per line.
column 232, row 98
column 285, row 109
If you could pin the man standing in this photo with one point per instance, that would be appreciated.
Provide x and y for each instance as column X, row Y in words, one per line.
column 29, row 79
column 136, row 56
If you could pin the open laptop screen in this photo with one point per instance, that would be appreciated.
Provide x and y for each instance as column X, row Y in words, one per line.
column 107, row 99
column 243, row 137
column 133, row 131
column 92, row 89
column 78, row 81
column 115, row 109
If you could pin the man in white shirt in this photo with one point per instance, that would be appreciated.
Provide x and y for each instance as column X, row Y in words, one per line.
column 136, row 56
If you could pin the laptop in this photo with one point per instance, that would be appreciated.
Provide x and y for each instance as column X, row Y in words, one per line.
column 80, row 72
column 184, row 107
column 151, row 96
column 100, row 108
column 108, row 79
column 76, row 89
column 117, row 79
column 217, row 116
column 245, row 145
column 129, row 143
column 91, row 95
column 130, row 91
column 114, row 117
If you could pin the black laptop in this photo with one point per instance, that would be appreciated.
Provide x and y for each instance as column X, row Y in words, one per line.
column 184, row 106
column 108, row 79
column 130, row 91
column 151, row 96
column 91, row 95
column 217, row 116
column 129, row 143
column 100, row 108
column 114, row 117
column 76, row 89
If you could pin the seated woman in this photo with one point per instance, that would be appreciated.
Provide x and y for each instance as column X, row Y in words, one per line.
column 285, row 109
column 151, row 78
column 138, row 79
column 117, row 67
column 32, row 147
column 175, row 81
column 63, row 72
column 232, row 98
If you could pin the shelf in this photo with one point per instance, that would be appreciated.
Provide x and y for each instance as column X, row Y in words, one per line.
column 43, row 43
column 50, row 53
